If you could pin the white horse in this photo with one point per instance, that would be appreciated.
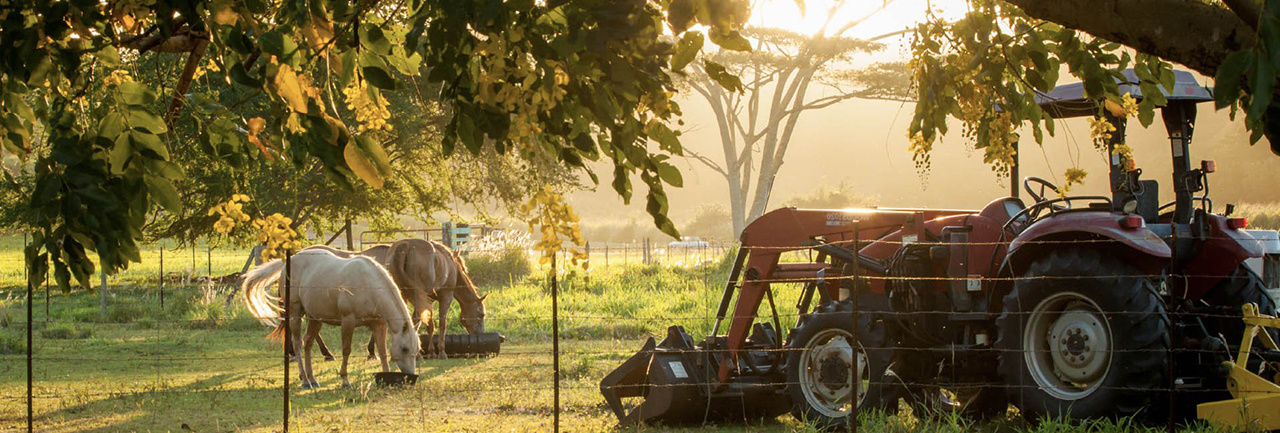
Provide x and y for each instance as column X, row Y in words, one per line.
column 348, row 292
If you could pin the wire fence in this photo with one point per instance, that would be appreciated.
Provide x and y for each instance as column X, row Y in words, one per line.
column 173, row 346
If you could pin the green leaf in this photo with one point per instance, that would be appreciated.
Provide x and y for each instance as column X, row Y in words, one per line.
column 241, row 76
column 670, row 174
column 372, row 37
column 667, row 139
column 120, row 154
column 140, row 117
column 280, row 45
column 730, row 41
column 726, row 79
column 378, row 77
column 1227, row 81
column 133, row 93
column 376, row 154
column 686, row 50
column 362, row 165
column 163, row 192
column 111, row 126
column 148, row 142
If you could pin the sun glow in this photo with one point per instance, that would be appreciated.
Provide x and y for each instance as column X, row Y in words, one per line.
column 881, row 17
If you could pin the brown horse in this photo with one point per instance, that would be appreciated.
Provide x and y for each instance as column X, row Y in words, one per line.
column 430, row 270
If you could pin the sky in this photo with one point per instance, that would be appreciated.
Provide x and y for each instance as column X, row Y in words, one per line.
column 862, row 144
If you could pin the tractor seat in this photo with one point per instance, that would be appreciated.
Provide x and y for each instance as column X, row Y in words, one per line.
column 1002, row 209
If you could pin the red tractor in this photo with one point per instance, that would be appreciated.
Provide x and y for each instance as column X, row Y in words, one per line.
column 1084, row 306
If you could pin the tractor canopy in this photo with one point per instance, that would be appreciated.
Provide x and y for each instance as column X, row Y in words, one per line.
column 1069, row 100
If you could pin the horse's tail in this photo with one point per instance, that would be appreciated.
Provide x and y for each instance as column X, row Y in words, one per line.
column 261, row 304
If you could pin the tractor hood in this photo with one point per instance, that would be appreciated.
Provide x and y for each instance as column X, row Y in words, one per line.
column 1068, row 100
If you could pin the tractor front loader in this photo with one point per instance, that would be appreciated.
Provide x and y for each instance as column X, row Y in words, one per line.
column 753, row 370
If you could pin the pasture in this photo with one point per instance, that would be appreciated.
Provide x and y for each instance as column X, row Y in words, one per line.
column 199, row 365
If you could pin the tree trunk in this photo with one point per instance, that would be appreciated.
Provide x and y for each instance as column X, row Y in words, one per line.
column 1189, row 32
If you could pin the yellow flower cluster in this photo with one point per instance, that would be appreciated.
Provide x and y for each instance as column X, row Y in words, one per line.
column 1129, row 105
column 557, row 223
column 1074, row 176
column 517, row 85
column 277, row 236
column 229, row 213
column 371, row 112
column 117, row 77
column 1100, row 129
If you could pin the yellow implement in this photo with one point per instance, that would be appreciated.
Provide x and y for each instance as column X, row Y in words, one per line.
column 1255, row 402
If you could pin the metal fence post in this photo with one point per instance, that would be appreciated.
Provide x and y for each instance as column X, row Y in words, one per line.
column 30, row 402
column 162, row 276
column 856, row 377
column 288, row 259
column 555, row 343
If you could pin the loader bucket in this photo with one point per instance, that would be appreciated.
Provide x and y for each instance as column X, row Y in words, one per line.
column 664, row 377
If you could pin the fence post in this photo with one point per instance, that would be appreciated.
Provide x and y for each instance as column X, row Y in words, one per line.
column 102, row 294
column 288, row 259
column 856, row 377
column 555, row 343
column 46, row 291
column 30, row 403
column 208, row 261
column 161, row 276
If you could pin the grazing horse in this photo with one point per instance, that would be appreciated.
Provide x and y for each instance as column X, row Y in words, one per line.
column 380, row 254
column 428, row 270
column 327, row 289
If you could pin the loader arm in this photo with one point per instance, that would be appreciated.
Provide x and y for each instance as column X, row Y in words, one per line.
column 789, row 229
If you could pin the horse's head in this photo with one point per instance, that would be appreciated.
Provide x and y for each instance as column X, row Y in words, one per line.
column 404, row 347
column 472, row 317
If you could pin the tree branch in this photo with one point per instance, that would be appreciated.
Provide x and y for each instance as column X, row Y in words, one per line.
column 184, row 81
column 1188, row 32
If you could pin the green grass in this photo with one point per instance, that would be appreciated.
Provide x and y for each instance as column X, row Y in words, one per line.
column 178, row 264
column 140, row 367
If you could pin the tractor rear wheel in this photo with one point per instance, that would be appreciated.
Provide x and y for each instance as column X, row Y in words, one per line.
column 1241, row 287
column 821, row 362
column 1082, row 335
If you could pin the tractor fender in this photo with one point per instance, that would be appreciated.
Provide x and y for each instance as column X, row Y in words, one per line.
column 1140, row 246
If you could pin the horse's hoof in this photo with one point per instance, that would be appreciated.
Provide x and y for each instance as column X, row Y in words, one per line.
column 305, row 385
column 328, row 358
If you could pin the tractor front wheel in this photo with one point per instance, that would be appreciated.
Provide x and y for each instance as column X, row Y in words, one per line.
column 821, row 365
column 1084, row 335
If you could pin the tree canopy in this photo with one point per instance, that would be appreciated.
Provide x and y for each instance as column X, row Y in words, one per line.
column 559, row 81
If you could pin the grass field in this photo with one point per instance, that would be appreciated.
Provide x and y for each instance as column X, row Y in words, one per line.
column 200, row 364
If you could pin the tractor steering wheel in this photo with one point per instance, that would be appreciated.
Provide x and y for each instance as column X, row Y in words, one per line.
column 1044, row 186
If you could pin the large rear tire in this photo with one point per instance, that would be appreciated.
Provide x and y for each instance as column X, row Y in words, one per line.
column 1084, row 335
column 820, row 365
column 1241, row 287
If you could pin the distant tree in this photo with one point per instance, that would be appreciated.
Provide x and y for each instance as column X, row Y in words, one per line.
column 757, row 116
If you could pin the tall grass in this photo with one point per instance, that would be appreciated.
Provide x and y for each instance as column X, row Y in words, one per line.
column 1260, row 215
